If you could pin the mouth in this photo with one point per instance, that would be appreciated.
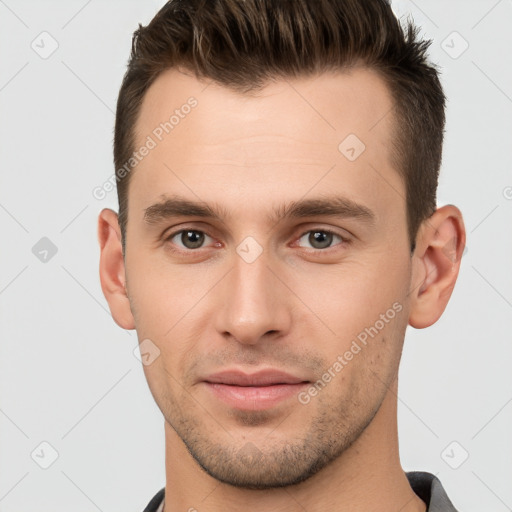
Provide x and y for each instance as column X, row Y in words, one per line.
column 257, row 391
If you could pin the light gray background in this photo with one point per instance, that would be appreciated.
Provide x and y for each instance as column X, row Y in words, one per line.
column 68, row 375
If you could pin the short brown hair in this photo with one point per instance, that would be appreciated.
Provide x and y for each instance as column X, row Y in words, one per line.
column 242, row 44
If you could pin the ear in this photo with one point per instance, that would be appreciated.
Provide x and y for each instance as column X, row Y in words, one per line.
column 436, row 261
column 112, row 269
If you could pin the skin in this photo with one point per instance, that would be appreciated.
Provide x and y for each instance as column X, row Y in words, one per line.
column 296, row 307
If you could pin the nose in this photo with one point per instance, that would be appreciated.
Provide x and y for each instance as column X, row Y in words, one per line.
column 255, row 303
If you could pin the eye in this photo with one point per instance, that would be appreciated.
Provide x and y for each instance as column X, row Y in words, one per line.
column 321, row 238
column 188, row 238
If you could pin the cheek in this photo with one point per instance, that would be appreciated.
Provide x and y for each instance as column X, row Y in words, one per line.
column 163, row 293
column 364, row 308
column 169, row 303
column 352, row 295
column 363, row 370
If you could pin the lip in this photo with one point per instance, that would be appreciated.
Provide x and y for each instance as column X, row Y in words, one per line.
column 256, row 391
column 266, row 377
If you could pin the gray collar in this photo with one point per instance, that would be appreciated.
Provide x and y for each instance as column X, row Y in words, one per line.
column 425, row 485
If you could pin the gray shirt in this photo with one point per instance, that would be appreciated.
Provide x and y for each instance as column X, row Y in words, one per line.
column 430, row 490
column 425, row 485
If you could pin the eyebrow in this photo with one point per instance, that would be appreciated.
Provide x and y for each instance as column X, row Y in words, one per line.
column 331, row 206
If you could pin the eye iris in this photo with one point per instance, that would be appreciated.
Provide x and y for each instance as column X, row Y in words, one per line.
column 192, row 239
column 320, row 239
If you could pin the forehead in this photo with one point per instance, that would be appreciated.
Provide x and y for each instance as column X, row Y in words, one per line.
column 281, row 140
column 354, row 99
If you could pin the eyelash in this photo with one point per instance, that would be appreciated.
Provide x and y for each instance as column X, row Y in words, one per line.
column 344, row 240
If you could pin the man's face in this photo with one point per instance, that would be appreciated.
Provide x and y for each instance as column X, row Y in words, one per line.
column 255, row 290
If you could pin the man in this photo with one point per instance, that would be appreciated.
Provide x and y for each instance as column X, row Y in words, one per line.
column 277, row 167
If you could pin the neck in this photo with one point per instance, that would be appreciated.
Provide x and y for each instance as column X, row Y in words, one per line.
column 367, row 476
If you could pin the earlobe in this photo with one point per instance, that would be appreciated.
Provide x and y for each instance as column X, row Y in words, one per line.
column 436, row 263
column 112, row 269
